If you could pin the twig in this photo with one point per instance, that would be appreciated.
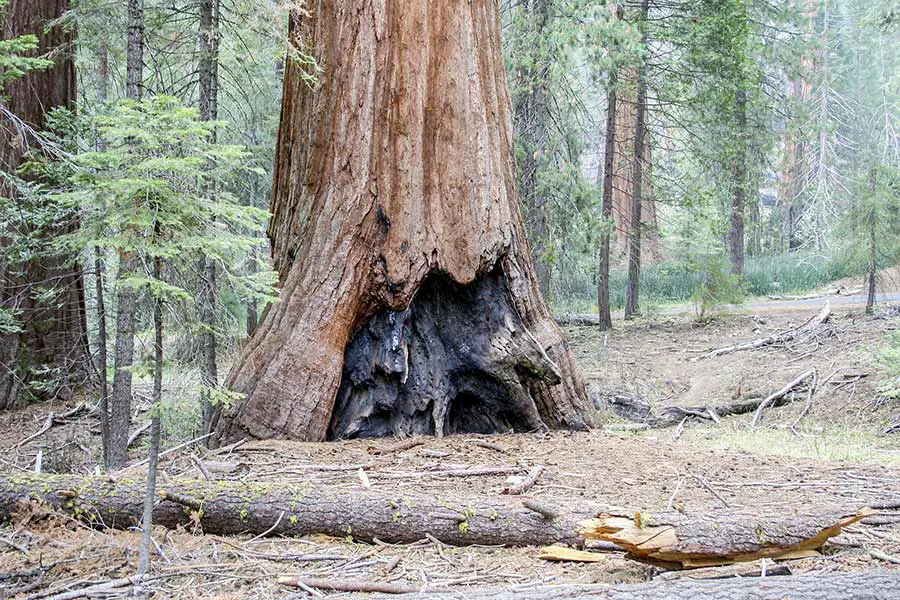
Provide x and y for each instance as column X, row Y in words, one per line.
column 884, row 557
column 778, row 395
column 138, row 433
column 398, row 447
column 13, row 544
column 350, row 585
column 680, row 430
column 48, row 423
column 674, row 493
column 487, row 445
column 709, row 489
column 526, row 484
column 199, row 464
column 809, row 399
column 269, row 530
column 171, row 450
column 100, row 588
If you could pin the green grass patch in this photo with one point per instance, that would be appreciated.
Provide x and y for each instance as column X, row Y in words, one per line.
column 674, row 282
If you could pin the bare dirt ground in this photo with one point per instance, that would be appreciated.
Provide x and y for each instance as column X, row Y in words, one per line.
column 837, row 458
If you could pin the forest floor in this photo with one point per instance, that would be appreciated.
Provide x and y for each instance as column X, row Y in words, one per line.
column 835, row 457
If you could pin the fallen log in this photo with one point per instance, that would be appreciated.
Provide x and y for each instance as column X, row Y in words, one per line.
column 235, row 507
column 677, row 540
column 778, row 338
column 867, row 585
column 639, row 411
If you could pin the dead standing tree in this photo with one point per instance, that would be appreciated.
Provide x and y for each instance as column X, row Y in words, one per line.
column 409, row 302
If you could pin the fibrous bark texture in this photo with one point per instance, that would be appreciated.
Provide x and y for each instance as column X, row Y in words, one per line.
column 53, row 339
column 623, row 168
column 394, row 180
column 230, row 508
column 869, row 585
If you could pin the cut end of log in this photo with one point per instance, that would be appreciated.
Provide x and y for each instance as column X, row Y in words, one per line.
column 691, row 541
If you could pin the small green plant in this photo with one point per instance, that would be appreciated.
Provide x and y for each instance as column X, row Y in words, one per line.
column 717, row 286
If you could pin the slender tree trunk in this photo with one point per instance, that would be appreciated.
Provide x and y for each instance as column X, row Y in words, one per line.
column 103, row 72
column 604, row 312
column 738, row 199
column 126, row 305
column 102, row 360
column 155, row 428
column 209, row 86
column 134, row 73
column 409, row 302
column 871, row 246
column 53, row 337
column 634, row 233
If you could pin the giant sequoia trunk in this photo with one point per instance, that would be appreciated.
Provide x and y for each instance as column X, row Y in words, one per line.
column 409, row 302
column 47, row 292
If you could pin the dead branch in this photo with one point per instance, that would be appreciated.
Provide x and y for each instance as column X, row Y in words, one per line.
column 526, row 484
column 778, row 338
column 780, row 394
column 639, row 411
column 398, row 447
column 350, row 585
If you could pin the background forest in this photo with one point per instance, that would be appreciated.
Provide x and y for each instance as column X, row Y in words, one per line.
column 667, row 152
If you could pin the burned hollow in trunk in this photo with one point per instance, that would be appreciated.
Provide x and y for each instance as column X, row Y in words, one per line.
column 458, row 360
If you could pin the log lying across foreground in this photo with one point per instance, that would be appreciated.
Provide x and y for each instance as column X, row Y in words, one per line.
column 235, row 507
column 872, row 585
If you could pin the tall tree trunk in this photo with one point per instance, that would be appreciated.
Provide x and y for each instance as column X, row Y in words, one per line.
column 126, row 305
column 739, row 188
column 53, row 332
column 209, row 97
column 871, row 242
column 609, row 150
column 637, row 179
column 409, row 302
column 623, row 171
column 102, row 360
column 531, row 119
column 155, row 425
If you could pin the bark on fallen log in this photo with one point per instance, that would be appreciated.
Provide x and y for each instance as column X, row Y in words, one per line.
column 778, row 338
column 867, row 585
column 233, row 507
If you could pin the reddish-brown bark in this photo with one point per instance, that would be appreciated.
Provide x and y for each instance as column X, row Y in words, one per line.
column 54, row 333
column 395, row 168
